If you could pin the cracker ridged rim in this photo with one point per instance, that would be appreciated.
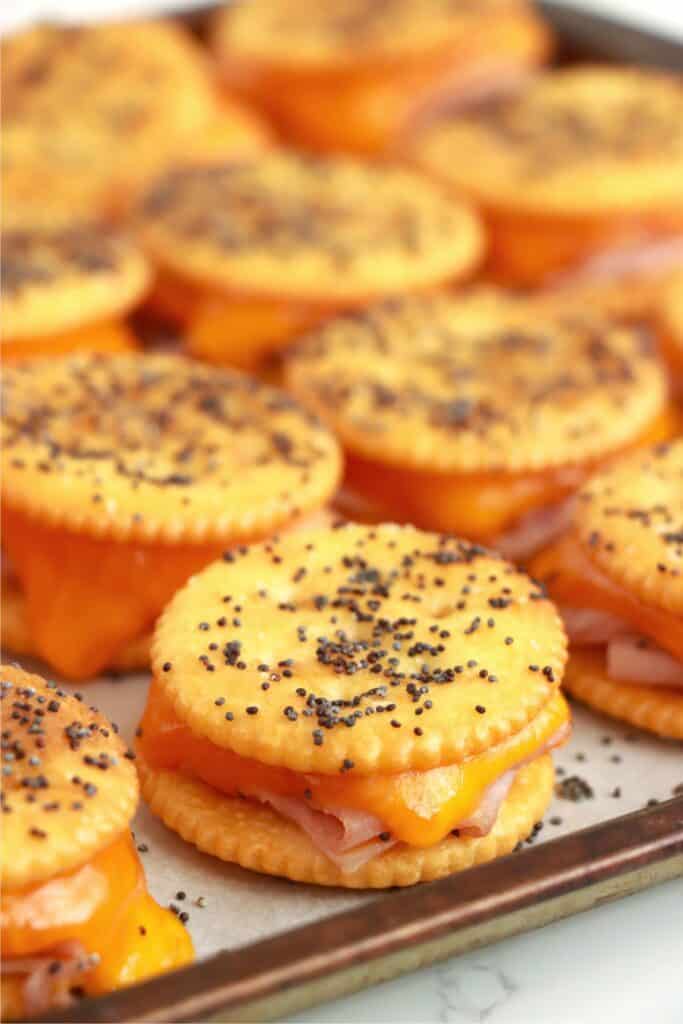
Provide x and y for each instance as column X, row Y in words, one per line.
column 500, row 199
column 52, row 499
column 53, row 308
column 366, row 750
column 348, row 60
column 181, row 803
column 648, row 707
column 619, row 561
column 73, row 837
column 207, row 263
column 430, row 450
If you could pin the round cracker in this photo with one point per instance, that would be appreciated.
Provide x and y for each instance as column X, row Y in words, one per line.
column 69, row 784
column 344, row 36
column 256, row 837
column 359, row 647
column 148, row 94
column 309, row 228
column 629, row 518
column 56, row 280
column 448, row 384
column 15, row 634
column 576, row 142
column 654, row 708
column 159, row 447
column 53, row 166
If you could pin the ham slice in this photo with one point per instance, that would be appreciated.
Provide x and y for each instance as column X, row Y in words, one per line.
column 645, row 256
column 631, row 659
column 587, row 627
column 483, row 819
column 47, row 986
column 350, row 838
column 534, row 531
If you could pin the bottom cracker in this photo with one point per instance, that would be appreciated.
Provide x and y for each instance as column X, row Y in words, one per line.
column 649, row 707
column 253, row 835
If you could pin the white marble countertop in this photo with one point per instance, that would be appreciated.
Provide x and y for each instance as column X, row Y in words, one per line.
column 619, row 963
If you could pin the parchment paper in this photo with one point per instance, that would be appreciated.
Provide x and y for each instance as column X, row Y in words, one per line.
column 623, row 767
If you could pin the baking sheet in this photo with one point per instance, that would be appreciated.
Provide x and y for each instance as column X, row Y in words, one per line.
column 622, row 768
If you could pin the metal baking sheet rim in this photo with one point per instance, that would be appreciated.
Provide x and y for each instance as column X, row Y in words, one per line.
column 641, row 849
column 411, row 958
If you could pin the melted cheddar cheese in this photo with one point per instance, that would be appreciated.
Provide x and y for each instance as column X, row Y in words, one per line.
column 480, row 506
column 241, row 331
column 87, row 597
column 110, row 336
column 574, row 581
column 231, row 329
column 418, row 808
column 363, row 113
column 367, row 109
column 104, row 906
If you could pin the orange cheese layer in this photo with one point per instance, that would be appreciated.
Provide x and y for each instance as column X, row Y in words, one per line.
column 105, row 906
column 528, row 249
column 575, row 581
column 173, row 298
column 363, row 113
column 366, row 110
column 233, row 330
column 86, row 597
column 110, row 336
column 476, row 505
column 418, row 808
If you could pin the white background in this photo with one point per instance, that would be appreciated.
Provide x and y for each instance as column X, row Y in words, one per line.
column 666, row 15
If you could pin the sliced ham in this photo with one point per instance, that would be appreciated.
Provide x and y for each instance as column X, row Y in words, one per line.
column 350, row 838
column 587, row 627
column 45, row 987
column 631, row 659
column 534, row 531
column 483, row 819
column 646, row 256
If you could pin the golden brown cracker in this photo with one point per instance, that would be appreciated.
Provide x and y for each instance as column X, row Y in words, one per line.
column 70, row 787
column 580, row 141
column 655, row 708
column 56, row 280
column 114, row 101
column 386, row 648
column 330, row 230
column 629, row 519
column 159, row 448
column 473, row 385
column 343, row 36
